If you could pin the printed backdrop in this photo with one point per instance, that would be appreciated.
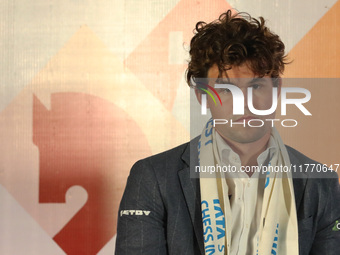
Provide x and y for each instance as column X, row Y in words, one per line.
column 89, row 87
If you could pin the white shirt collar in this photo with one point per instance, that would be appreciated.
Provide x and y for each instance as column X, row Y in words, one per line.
column 228, row 156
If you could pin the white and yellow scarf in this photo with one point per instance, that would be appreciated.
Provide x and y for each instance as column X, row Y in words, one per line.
column 278, row 233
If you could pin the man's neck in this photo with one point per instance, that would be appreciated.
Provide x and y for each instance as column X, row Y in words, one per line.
column 249, row 152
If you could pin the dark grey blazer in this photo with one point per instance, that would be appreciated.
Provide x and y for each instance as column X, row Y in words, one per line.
column 160, row 209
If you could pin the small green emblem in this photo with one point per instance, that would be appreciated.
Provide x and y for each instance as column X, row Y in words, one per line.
column 336, row 226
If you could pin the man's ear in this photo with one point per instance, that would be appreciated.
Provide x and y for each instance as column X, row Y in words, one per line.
column 199, row 96
column 279, row 86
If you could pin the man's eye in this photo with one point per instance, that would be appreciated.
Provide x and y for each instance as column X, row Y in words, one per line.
column 256, row 86
column 226, row 90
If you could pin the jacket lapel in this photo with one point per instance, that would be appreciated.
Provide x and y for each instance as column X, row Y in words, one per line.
column 299, row 179
column 191, row 190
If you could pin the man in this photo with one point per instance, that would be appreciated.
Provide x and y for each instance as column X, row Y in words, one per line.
column 165, row 211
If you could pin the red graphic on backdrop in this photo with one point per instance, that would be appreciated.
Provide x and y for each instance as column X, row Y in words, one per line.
column 80, row 142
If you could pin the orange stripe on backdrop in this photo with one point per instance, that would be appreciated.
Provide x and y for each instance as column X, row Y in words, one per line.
column 317, row 55
column 151, row 62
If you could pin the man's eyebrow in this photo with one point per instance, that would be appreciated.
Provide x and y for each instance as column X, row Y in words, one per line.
column 256, row 79
column 224, row 80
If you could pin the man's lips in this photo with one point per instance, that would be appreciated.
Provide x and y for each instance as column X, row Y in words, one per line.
column 246, row 118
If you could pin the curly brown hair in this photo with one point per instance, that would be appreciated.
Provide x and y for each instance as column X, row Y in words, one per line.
column 232, row 40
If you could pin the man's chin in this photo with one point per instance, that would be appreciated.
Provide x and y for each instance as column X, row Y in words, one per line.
column 245, row 135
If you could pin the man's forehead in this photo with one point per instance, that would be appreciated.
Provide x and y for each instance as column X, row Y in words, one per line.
column 234, row 72
column 242, row 81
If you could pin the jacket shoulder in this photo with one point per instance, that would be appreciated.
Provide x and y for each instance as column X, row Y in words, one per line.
column 303, row 166
column 179, row 153
column 164, row 164
column 298, row 156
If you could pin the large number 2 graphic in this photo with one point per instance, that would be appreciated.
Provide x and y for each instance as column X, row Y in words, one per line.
column 80, row 143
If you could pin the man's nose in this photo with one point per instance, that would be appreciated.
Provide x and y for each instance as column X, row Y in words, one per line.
column 245, row 95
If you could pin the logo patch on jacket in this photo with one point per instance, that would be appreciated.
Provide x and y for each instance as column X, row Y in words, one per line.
column 134, row 212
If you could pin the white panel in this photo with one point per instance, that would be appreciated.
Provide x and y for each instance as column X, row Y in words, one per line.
column 32, row 32
column 19, row 232
column 176, row 50
column 109, row 247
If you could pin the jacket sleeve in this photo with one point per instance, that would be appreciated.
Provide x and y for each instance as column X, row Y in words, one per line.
column 327, row 237
column 141, row 216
